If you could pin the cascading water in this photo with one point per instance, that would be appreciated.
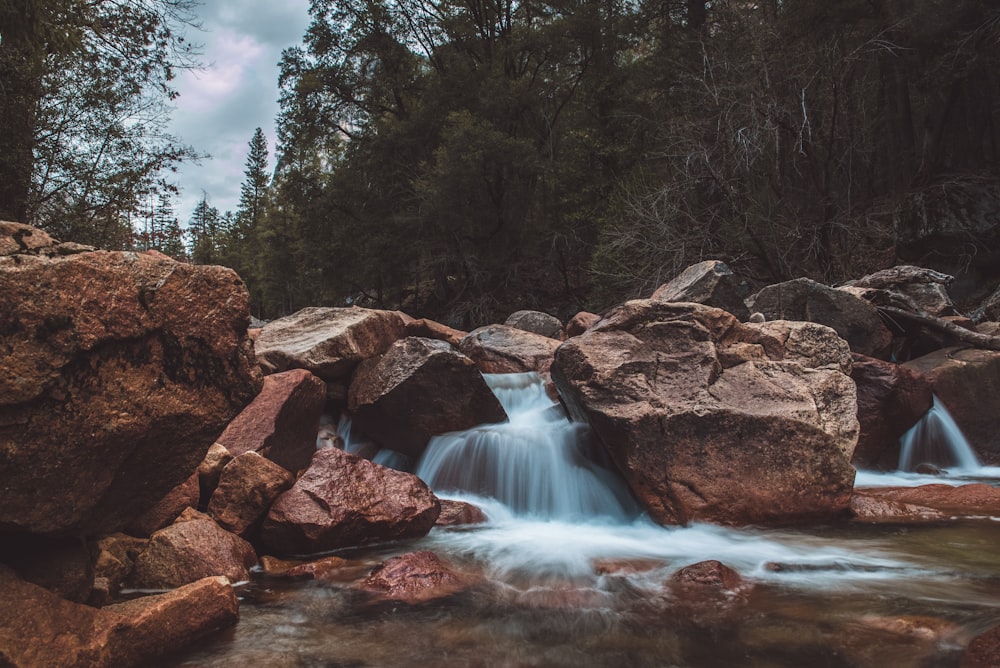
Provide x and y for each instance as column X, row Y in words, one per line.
column 936, row 439
column 538, row 464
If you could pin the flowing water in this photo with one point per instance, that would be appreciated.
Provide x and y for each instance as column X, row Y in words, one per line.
column 571, row 574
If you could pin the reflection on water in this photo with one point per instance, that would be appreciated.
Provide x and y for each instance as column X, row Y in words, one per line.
column 562, row 582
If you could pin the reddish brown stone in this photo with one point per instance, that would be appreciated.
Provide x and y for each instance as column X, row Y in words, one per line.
column 869, row 508
column 457, row 513
column 711, row 283
column 329, row 342
column 342, row 501
column 420, row 388
column 18, row 238
column 580, row 323
column 683, row 396
column 247, row 487
column 61, row 565
column 713, row 575
column 967, row 381
column 281, row 423
column 114, row 559
column 977, row 499
column 168, row 508
column 429, row 329
column 211, row 468
column 119, row 370
column 983, row 651
column 891, row 399
column 415, row 577
column 190, row 550
column 503, row 349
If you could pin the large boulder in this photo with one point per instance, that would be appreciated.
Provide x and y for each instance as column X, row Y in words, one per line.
column 343, row 501
column 967, row 381
column 923, row 290
column 119, row 370
column 855, row 320
column 536, row 322
column 713, row 420
column 891, row 399
column 711, row 283
column 329, row 342
column 247, row 487
column 420, row 388
column 281, row 422
column 505, row 349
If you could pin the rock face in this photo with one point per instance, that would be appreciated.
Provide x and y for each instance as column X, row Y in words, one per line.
column 420, row 388
column 891, row 398
column 712, row 420
column 536, row 322
column 119, row 370
column 190, row 550
column 503, row 349
column 342, row 501
column 967, row 381
column 282, row 420
column 415, row 577
column 711, row 283
column 247, row 487
column 852, row 318
column 329, row 342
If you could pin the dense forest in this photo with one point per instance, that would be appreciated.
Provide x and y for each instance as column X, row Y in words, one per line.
column 464, row 158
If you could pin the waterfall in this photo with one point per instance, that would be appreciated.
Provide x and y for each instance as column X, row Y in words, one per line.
column 936, row 439
column 539, row 464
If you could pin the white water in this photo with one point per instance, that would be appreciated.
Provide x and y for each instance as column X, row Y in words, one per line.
column 936, row 439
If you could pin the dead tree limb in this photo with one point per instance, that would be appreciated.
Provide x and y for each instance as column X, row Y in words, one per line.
column 949, row 329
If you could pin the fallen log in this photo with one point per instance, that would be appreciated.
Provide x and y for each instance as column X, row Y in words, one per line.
column 949, row 329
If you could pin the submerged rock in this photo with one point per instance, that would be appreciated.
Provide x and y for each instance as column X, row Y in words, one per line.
column 459, row 513
column 712, row 420
column 504, row 349
column 114, row 382
column 975, row 499
column 343, row 501
column 711, row 283
column 415, row 577
column 420, row 388
column 329, row 342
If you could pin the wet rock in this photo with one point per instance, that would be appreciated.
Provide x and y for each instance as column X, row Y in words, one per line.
column 706, row 576
column 210, row 469
column 854, row 319
column 503, row 349
column 580, row 323
column 114, row 383
column 975, row 499
column 683, row 396
column 329, row 342
column 928, row 469
column 983, row 651
column 708, row 592
column 60, row 565
column 459, row 513
column 627, row 566
column 536, row 322
column 915, row 640
column 281, row 422
column 168, row 508
column 342, row 501
column 247, row 487
column 190, row 550
column 891, row 399
column 871, row 508
column 430, row 329
column 415, row 577
column 967, row 382
column 925, row 290
column 420, row 388
column 114, row 559
column 336, row 569
column 711, row 283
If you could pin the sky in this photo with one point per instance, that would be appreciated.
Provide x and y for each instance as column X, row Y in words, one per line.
column 221, row 105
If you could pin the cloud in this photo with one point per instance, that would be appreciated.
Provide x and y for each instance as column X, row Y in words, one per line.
column 220, row 106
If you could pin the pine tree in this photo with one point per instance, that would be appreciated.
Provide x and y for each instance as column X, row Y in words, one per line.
column 203, row 233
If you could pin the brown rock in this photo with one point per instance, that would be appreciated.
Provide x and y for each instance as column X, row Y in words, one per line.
column 168, row 508
column 458, row 513
column 708, row 592
column 701, row 434
column 18, row 238
column 503, row 349
column 420, row 388
column 329, row 342
column 328, row 568
column 580, row 323
column 216, row 459
column 871, row 508
column 191, row 550
column 342, row 501
column 891, row 399
column 415, row 577
column 711, row 283
column 119, row 371
column 536, row 322
column 854, row 319
column 114, row 560
column 281, row 423
column 705, row 576
column 429, row 329
column 62, row 565
column 976, row 499
column 983, row 651
column 247, row 487
column 967, row 382
column 925, row 289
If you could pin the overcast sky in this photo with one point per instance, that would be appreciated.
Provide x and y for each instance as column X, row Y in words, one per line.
column 219, row 107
